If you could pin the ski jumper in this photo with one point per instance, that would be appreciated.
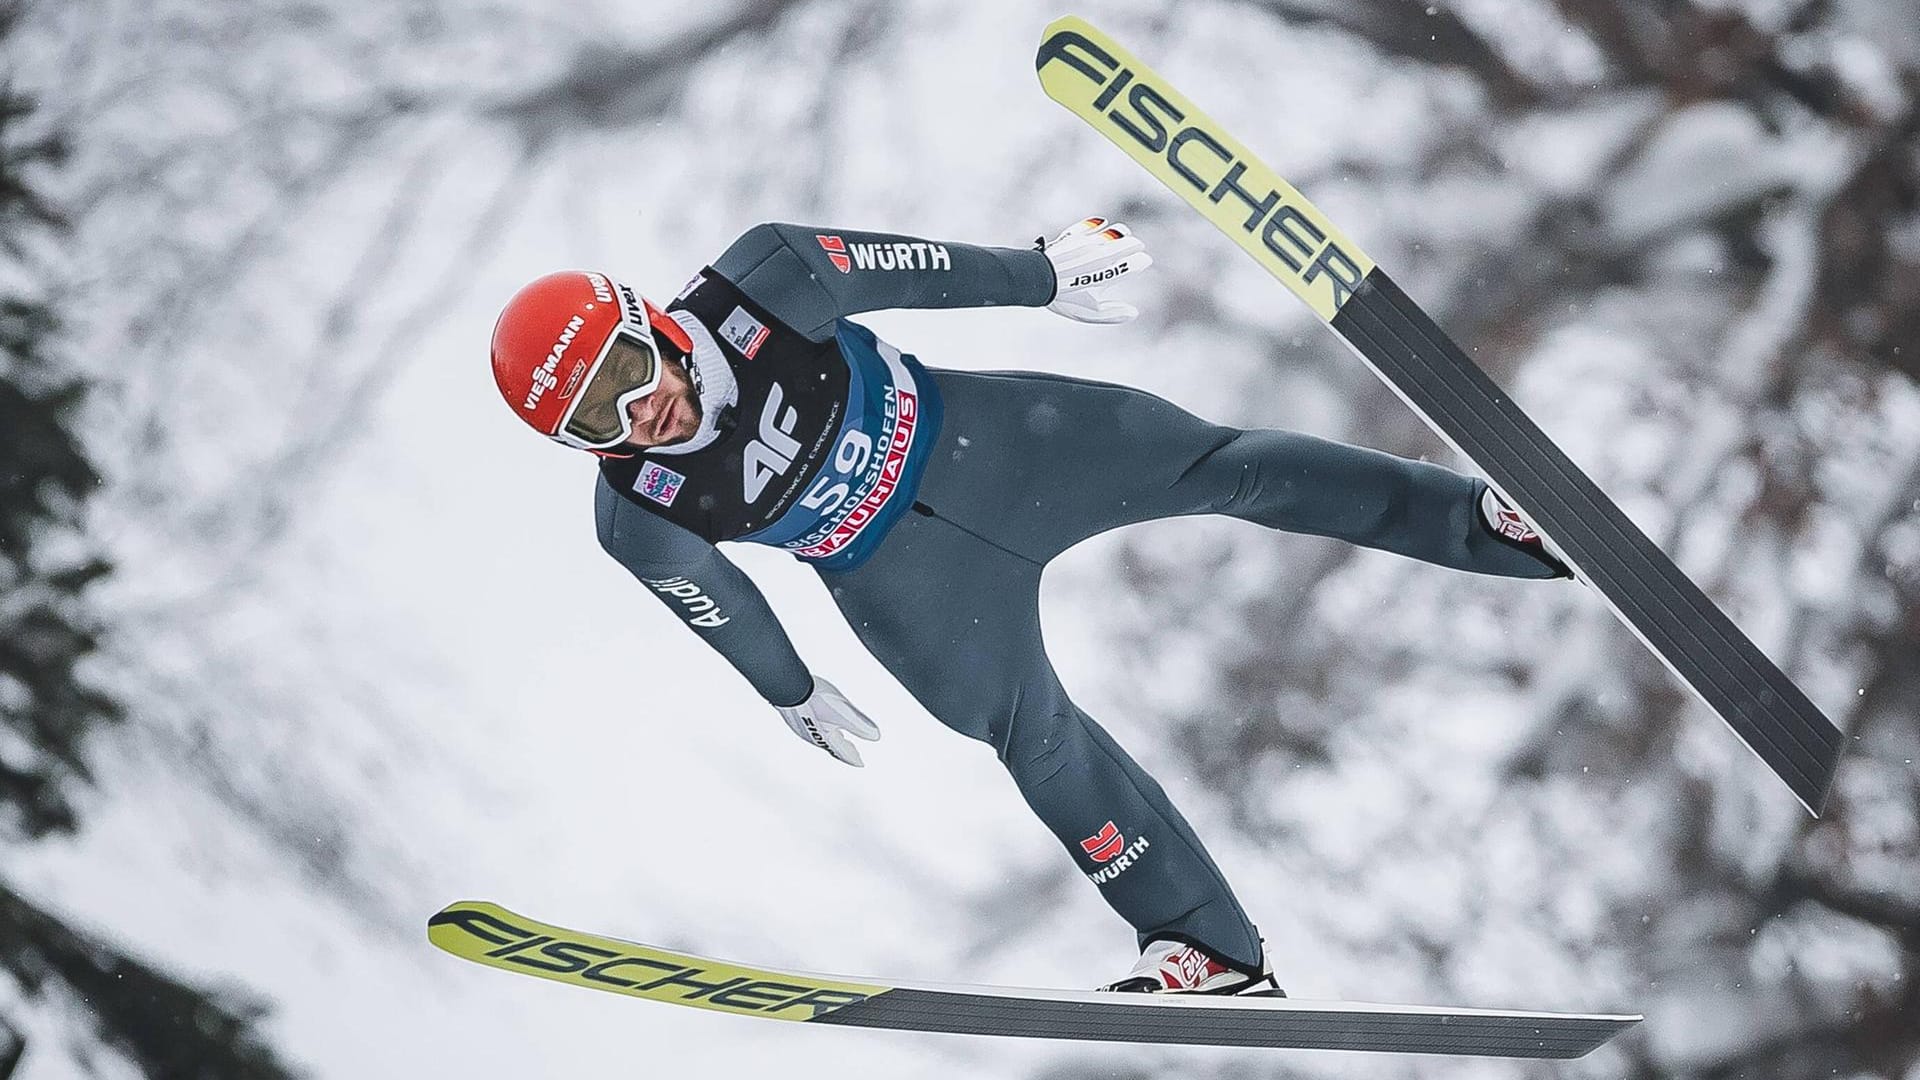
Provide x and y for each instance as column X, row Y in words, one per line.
column 999, row 473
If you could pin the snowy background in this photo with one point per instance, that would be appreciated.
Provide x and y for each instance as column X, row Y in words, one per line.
column 358, row 653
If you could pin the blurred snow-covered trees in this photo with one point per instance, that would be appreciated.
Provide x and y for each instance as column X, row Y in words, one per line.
column 1684, row 235
column 50, row 626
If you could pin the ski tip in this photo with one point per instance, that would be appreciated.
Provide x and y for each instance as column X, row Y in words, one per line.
column 1067, row 22
column 458, row 912
column 1065, row 31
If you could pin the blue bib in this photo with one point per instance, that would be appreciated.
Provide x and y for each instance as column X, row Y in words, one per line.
column 867, row 481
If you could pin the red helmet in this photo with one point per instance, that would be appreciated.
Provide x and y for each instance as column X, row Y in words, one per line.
column 572, row 350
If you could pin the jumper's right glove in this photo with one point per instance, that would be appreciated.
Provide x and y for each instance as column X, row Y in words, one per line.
column 826, row 718
column 1088, row 257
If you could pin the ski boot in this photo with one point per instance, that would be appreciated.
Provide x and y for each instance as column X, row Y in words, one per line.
column 1502, row 521
column 1174, row 967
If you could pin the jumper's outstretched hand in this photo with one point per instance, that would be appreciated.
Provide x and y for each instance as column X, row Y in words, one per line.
column 826, row 718
column 1088, row 257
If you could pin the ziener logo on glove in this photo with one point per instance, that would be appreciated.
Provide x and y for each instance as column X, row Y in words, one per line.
column 1085, row 280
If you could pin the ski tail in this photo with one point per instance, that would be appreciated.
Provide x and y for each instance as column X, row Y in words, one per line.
column 489, row 934
column 1102, row 83
column 1677, row 622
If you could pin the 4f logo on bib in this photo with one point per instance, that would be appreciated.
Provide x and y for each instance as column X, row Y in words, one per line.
column 771, row 453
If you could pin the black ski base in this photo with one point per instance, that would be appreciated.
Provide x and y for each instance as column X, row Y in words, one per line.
column 1193, row 1022
column 1658, row 602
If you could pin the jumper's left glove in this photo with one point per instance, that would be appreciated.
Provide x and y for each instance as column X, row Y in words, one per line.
column 1088, row 257
column 826, row 718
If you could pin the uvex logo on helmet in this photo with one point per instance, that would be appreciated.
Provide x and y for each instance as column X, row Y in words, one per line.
column 601, row 291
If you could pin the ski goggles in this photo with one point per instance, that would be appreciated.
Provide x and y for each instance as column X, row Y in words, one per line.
column 628, row 368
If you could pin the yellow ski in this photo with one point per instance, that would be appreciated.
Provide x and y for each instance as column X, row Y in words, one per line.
column 1123, row 99
column 490, row 934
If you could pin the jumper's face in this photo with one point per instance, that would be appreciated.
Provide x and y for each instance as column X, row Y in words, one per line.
column 671, row 414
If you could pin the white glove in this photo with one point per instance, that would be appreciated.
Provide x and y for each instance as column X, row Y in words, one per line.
column 826, row 718
column 1088, row 257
